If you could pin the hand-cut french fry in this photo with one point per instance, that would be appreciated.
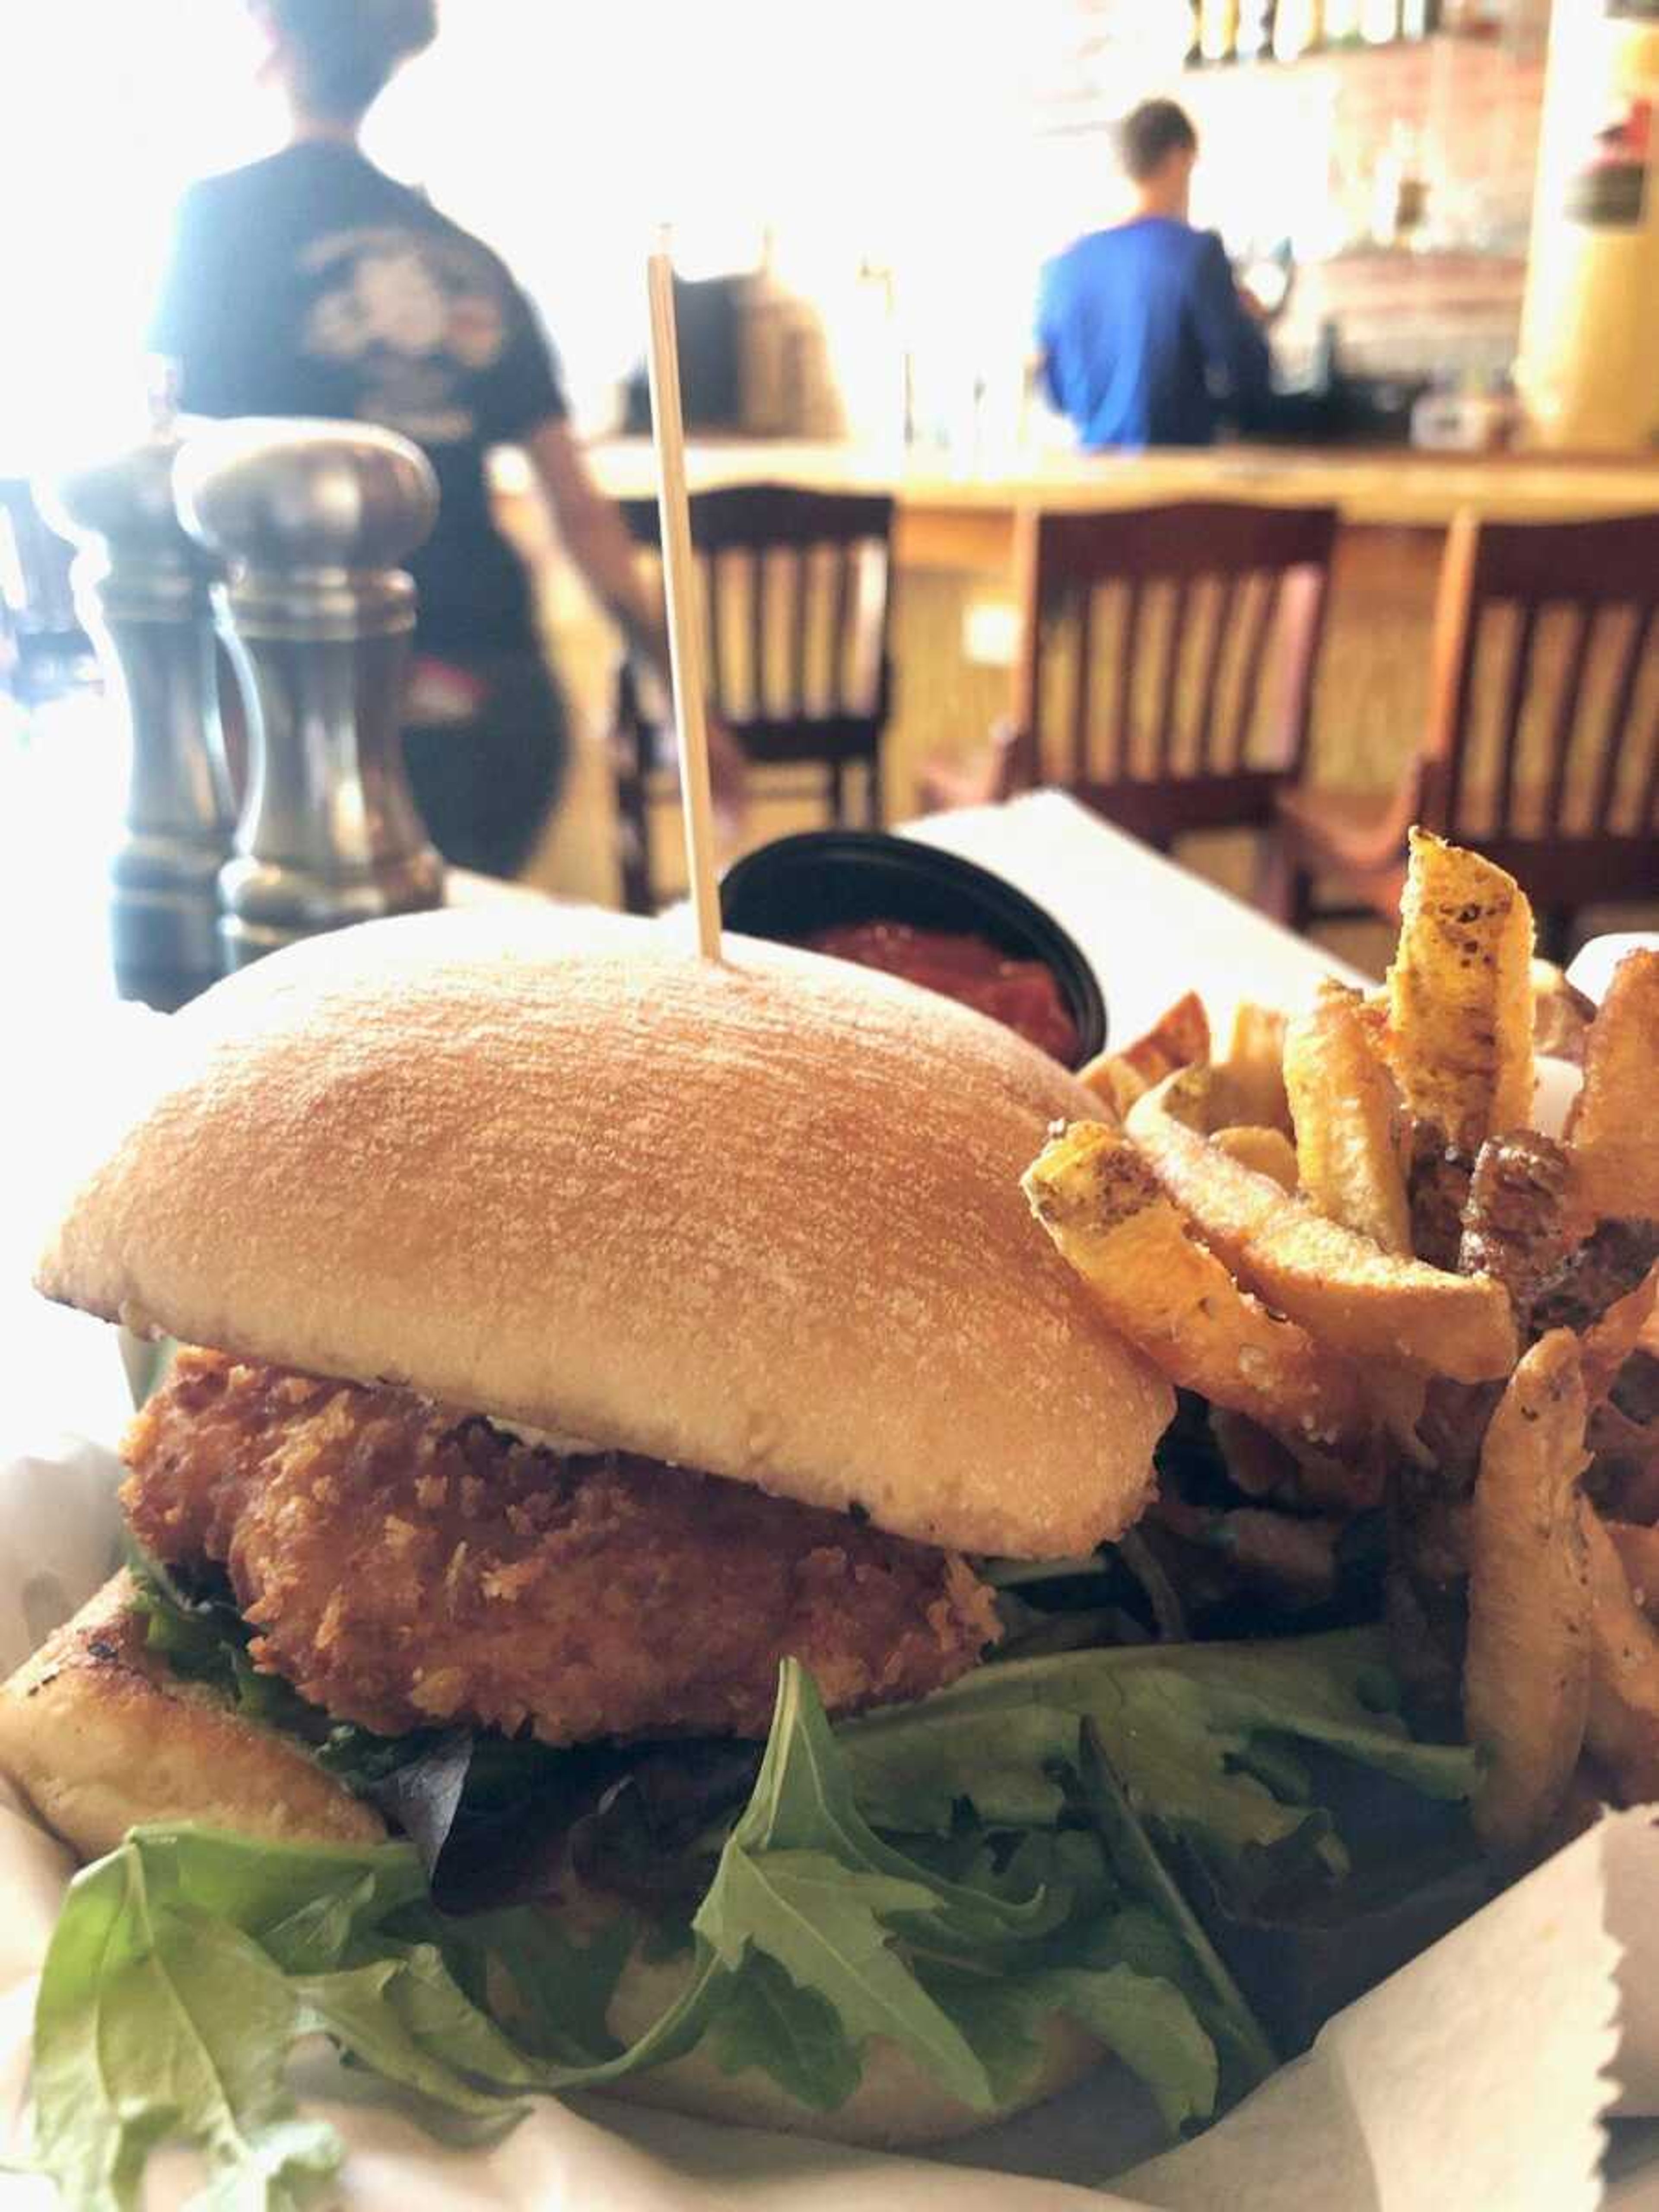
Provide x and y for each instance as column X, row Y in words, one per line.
column 1160, row 1289
column 1113, row 1082
column 1349, row 1294
column 1527, row 1673
column 1623, row 1726
column 1350, row 1128
column 1250, row 1079
column 1268, row 1151
column 1609, row 1342
column 1179, row 1038
column 1460, row 995
column 1610, row 1130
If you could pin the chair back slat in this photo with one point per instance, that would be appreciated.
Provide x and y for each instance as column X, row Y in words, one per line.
column 1619, row 712
column 1169, row 681
column 1565, row 719
column 1119, row 731
column 759, row 570
column 713, row 575
column 1259, row 575
column 1083, row 686
column 841, row 654
column 1210, row 681
column 1515, row 705
column 1255, row 661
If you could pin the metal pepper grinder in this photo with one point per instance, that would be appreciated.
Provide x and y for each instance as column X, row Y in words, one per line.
column 142, row 589
column 310, row 519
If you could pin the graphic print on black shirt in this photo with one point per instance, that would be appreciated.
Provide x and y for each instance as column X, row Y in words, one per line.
column 312, row 285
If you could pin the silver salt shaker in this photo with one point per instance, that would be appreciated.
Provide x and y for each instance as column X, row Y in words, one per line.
column 310, row 519
column 142, row 586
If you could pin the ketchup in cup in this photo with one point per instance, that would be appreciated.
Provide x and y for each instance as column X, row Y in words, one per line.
column 1022, row 995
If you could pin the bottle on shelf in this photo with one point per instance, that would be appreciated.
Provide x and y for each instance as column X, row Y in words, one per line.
column 1299, row 26
column 1254, row 41
column 1218, row 30
column 1418, row 18
column 1342, row 22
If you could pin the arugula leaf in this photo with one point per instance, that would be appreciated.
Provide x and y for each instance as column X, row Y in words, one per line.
column 1183, row 1726
column 563, row 1988
column 1144, row 2021
column 404, row 2019
column 804, row 1798
column 154, row 2019
column 1247, row 2054
column 187, row 1964
column 908, row 1776
column 823, row 1924
column 768, row 2023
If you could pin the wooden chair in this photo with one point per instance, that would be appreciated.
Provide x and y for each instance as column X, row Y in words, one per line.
column 1192, row 733
column 796, row 600
column 1543, row 748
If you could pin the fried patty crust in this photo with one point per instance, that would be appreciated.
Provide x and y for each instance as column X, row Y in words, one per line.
column 406, row 1565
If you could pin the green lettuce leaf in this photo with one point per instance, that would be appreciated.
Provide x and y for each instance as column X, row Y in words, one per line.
column 769, row 2023
column 187, row 1965
column 1247, row 2056
column 831, row 1931
column 155, row 2020
column 1199, row 1735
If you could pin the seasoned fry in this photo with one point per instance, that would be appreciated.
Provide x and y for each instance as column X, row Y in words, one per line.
column 1610, row 1130
column 1351, row 1296
column 1623, row 1726
column 1460, row 995
column 1527, row 1673
column 1179, row 1038
column 1251, row 1077
column 1610, row 1341
column 1114, row 1082
column 1160, row 1289
column 1350, row 1130
column 1268, row 1151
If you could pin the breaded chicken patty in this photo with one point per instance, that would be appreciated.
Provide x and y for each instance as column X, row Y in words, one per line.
column 407, row 1565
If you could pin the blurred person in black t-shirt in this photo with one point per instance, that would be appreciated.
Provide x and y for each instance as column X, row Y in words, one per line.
column 311, row 284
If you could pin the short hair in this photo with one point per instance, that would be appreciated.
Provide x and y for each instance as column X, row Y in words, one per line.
column 344, row 51
column 1149, row 134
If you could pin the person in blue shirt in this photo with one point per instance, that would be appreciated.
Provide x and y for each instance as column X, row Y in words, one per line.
column 1144, row 337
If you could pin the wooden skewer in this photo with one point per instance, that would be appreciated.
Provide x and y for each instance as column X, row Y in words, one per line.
column 679, row 580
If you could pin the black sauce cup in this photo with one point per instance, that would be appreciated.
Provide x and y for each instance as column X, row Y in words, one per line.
column 795, row 886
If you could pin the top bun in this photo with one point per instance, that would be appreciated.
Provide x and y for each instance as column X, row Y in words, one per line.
column 762, row 1218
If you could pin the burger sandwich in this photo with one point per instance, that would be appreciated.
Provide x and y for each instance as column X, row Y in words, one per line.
column 572, row 1633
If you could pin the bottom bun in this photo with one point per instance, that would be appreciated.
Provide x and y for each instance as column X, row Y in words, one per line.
column 895, row 2107
column 100, row 1737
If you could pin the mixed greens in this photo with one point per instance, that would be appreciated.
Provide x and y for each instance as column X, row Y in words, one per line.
column 946, row 1876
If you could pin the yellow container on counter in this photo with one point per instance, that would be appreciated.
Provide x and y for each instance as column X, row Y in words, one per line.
column 1588, row 367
